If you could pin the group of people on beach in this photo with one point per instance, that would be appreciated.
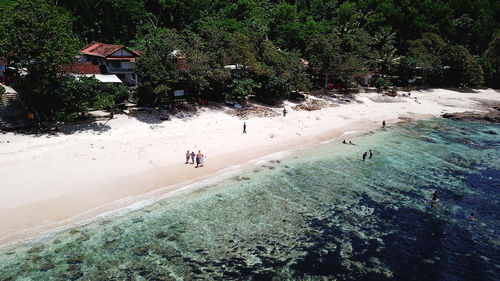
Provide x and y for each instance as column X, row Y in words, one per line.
column 198, row 157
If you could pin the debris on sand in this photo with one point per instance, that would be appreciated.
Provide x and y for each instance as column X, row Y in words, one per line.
column 313, row 105
column 254, row 110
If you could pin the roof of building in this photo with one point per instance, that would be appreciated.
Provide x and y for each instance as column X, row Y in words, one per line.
column 103, row 78
column 104, row 50
column 82, row 68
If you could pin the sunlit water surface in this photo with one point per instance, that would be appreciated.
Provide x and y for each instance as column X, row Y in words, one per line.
column 320, row 214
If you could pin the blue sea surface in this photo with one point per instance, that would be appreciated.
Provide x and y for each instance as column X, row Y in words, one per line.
column 318, row 214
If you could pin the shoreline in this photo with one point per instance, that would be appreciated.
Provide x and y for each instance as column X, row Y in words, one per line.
column 118, row 201
column 44, row 205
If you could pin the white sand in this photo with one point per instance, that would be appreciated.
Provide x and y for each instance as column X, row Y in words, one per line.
column 48, row 181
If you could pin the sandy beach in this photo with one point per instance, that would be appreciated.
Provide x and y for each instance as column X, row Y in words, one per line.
column 51, row 181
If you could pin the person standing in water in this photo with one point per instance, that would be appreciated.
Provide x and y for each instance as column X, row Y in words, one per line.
column 434, row 199
column 383, row 124
column 371, row 154
column 244, row 127
column 435, row 196
column 364, row 156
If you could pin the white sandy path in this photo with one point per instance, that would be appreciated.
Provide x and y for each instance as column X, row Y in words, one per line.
column 48, row 180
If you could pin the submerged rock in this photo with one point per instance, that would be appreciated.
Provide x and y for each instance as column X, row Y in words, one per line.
column 486, row 117
column 35, row 249
column 47, row 265
column 427, row 139
column 490, row 132
column 74, row 259
column 161, row 234
column 73, row 275
column 141, row 250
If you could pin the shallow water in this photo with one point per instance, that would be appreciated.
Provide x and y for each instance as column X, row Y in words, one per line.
column 320, row 214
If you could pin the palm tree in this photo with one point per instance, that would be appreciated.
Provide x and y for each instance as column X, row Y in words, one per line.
column 384, row 49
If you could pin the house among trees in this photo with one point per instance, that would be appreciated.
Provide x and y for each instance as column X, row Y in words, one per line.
column 87, row 69
column 111, row 59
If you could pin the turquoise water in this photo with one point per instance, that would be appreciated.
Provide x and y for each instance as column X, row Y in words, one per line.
column 321, row 214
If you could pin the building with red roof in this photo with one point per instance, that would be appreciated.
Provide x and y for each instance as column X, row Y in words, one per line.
column 82, row 67
column 113, row 59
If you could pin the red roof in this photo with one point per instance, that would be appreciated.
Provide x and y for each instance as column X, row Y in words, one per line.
column 103, row 50
column 82, row 68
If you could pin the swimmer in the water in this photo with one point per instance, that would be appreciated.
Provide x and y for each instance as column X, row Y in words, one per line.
column 434, row 199
column 344, row 142
column 435, row 196
column 350, row 142
column 471, row 216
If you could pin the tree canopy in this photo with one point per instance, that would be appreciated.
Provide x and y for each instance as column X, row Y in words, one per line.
column 437, row 42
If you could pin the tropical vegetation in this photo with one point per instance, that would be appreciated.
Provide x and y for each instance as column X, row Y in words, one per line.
column 260, row 48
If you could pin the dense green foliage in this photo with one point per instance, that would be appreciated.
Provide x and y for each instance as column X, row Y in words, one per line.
column 40, row 40
column 188, row 43
column 376, row 35
column 73, row 98
column 37, row 36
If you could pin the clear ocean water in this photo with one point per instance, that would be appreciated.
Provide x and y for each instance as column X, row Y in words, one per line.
column 320, row 214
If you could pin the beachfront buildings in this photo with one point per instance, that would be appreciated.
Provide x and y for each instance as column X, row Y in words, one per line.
column 112, row 59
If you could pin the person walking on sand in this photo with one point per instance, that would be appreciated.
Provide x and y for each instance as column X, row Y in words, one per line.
column 364, row 156
column 198, row 155
column 371, row 154
column 244, row 127
column 202, row 160
column 192, row 157
column 284, row 112
column 187, row 157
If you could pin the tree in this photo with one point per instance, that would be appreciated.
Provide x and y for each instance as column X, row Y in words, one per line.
column 158, row 68
column 109, row 21
column 384, row 50
column 429, row 52
column 37, row 36
column 74, row 97
column 342, row 56
column 462, row 67
column 444, row 63
column 491, row 61
column 35, row 33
